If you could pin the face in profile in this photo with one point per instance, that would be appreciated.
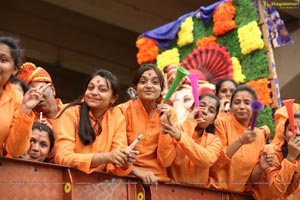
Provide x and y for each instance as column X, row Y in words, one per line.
column 240, row 106
column 208, row 109
column 7, row 67
column 39, row 146
column 148, row 87
column 99, row 94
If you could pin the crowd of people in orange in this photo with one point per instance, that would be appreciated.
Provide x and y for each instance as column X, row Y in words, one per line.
column 219, row 150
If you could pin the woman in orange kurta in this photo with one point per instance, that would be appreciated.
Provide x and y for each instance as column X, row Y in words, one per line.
column 17, row 120
column 194, row 147
column 283, row 179
column 90, row 133
column 242, row 146
column 142, row 117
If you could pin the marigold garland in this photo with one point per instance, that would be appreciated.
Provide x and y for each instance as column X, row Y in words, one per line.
column 168, row 57
column 206, row 41
column 148, row 50
column 185, row 34
column 262, row 89
column 250, row 38
column 238, row 75
column 223, row 18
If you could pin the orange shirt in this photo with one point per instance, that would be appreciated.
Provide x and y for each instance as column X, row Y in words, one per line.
column 15, row 128
column 69, row 150
column 233, row 174
column 279, row 181
column 190, row 158
column 139, row 122
column 281, row 116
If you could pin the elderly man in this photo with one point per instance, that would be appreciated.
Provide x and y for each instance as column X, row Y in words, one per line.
column 49, row 106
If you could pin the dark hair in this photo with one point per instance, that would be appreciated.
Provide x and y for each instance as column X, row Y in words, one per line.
column 147, row 67
column 15, row 50
column 243, row 88
column 220, row 82
column 211, row 128
column 86, row 131
column 284, row 147
column 22, row 84
column 43, row 127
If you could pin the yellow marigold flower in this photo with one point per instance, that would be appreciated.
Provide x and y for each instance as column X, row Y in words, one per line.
column 167, row 58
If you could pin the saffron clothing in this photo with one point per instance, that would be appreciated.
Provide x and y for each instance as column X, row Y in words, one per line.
column 69, row 150
column 15, row 128
column 139, row 122
column 281, row 115
column 233, row 173
column 279, row 181
column 30, row 73
column 189, row 158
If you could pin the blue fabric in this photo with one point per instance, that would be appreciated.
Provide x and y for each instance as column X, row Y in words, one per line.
column 278, row 35
column 164, row 34
column 205, row 13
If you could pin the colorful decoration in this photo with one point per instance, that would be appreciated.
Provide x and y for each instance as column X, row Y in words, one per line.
column 223, row 18
column 224, row 40
column 262, row 89
column 206, row 41
column 250, row 38
column 185, row 34
column 148, row 50
column 238, row 75
column 169, row 57
column 213, row 61
column 278, row 35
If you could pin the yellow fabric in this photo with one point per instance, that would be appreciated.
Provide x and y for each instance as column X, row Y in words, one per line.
column 233, row 174
column 139, row 122
column 275, row 181
column 15, row 128
column 70, row 151
column 190, row 158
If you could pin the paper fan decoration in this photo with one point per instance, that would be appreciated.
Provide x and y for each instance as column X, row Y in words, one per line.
column 213, row 61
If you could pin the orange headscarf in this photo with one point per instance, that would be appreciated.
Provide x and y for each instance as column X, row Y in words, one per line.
column 30, row 73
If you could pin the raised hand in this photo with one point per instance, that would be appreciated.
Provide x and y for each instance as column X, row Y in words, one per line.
column 293, row 148
column 33, row 97
column 266, row 160
column 248, row 137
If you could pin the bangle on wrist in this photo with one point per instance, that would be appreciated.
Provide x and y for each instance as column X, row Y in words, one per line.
column 240, row 140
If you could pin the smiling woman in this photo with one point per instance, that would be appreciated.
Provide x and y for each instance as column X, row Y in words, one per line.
column 41, row 143
column 16, row 126
column 90, row 133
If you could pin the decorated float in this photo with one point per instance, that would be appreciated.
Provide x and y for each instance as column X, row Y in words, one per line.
column 228, row 39
column 224, row 40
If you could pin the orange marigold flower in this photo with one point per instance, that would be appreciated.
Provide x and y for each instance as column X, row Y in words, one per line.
column 206, row 41
column 262, row 89
column 148, row 50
